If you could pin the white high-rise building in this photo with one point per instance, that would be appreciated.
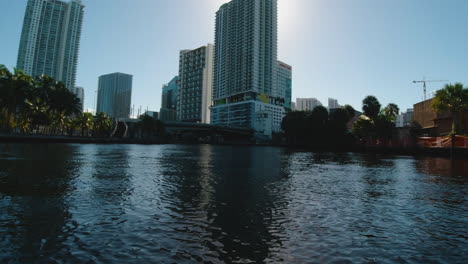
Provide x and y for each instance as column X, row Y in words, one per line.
column 50, row 39
column 333, row 104
column 307, row 104
column 195, row 85
column 245, row 66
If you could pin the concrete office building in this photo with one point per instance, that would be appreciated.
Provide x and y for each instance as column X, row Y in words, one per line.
column 195, row 85
column 307, row 104
column 333, row 104
column 168, row 110
column 50, row 39
column 245, row 67
column 284, row 84
column 79, row 92
column 115, row 95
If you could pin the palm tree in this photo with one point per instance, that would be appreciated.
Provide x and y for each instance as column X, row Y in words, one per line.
column 371, row 107
column 36, row 111
column 391, row 111
column 84, row 122
column 102, row 124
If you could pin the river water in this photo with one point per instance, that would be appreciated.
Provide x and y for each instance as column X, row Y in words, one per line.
column 201, row 203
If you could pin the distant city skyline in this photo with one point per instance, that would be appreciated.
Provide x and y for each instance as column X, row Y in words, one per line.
column 339, row 49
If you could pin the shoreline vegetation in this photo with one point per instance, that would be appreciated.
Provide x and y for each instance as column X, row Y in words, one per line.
column 43, row 110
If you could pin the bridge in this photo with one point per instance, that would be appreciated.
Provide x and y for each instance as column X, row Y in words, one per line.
column 189, row 131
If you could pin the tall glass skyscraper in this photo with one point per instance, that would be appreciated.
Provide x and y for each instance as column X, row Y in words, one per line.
column 115, row 95
column 245, row 66
column 168, row 110
column 50, row 39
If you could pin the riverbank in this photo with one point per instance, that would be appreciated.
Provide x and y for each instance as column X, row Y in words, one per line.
column 413, row 151
column 19, row 138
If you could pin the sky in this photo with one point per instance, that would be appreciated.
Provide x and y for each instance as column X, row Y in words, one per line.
column 341, row 49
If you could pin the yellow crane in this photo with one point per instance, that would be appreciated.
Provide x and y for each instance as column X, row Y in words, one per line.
column 424, row 81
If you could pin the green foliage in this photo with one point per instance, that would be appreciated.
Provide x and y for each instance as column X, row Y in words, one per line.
column 452, row 99
column 28, row 104
column 102, row 125
column 375, row 123
column 391, row 111
column 85, row 123
column 363, row 128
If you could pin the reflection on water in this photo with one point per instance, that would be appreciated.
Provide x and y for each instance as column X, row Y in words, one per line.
column 176, row 204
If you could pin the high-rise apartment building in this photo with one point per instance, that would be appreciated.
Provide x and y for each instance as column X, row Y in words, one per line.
column 115, row 95
column 79, row 92
column 50, row 39
column 195, row 85
column 245, row 66
column 168, row 110
column 284, row 84
column 333, row 104
column 307, row 104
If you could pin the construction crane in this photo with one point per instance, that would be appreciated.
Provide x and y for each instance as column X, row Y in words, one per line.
column 424, row 81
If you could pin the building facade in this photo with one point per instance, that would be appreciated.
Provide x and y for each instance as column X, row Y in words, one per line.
column 245, row 65
column 431, row 123
column 284, row 84
column 50, row 39
column 168, row 110
column 115, row 95
column 307, row 104
column 79, row 92
column 195, row 85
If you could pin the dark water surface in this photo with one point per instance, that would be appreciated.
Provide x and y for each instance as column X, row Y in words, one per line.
column 186, row 204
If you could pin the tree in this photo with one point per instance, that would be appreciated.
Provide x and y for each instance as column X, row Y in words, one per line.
column 102, row 125
column 294, row 127
column 454, row 100
column 371, row 107
column 151, row 127
column 84, row 122
column 364, row 128
column 350, row 111
column 14, row 90
column 392, row 111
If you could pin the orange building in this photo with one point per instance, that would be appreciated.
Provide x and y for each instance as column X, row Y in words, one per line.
column 434, row 124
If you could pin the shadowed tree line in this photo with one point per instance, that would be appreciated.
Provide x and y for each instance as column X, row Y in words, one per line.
column 318, row 128
column 43, row 105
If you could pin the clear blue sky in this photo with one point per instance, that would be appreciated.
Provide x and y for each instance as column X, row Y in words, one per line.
column 338, row 48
